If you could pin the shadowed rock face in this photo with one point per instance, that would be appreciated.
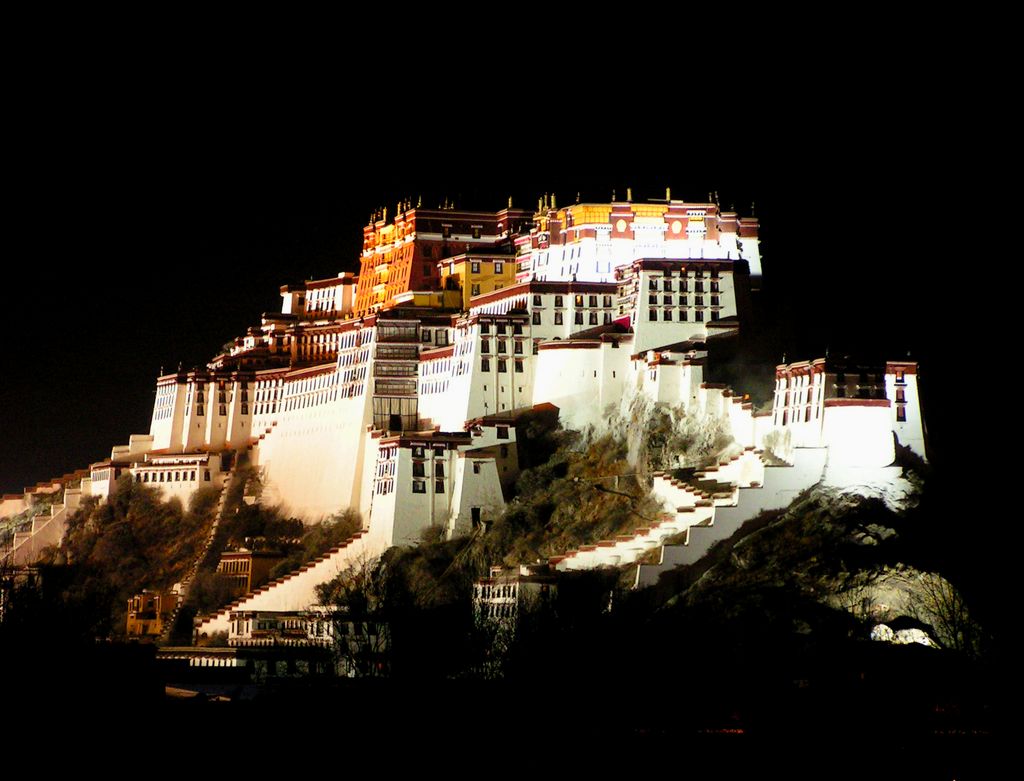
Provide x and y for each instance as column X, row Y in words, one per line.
column 843, row 551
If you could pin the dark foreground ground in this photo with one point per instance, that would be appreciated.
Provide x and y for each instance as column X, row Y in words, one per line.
column 912, row 714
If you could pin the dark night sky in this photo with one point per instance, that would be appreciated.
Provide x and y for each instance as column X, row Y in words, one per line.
column 148, row 228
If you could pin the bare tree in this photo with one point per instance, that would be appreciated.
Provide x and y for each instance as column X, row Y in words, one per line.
column 362, row 598
column 933, row 600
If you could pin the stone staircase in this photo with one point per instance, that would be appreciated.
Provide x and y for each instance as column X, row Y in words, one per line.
column 47, row 529
column 778, row 487
column 693, row 504
column 218, row 515
column 297, row 590
column 708, row 506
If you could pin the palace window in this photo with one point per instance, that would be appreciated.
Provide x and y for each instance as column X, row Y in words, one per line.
column 593, row 318
column 476, row 231
column 519, row 366
column 537, row 301
column 652, row 314
column 439, row 486
column 558, row 318
column 418, row 469
column 652, row 300
column 714, row 314
column 536, row 318
column 901, row 395
column 668, row 314
column 698, row 300
column 474, row 267
column 502, row 365
column 699, row 316
column 607, row 301
column 593, row 301
column 501, row 346
column 498, row 267
column 502, row 432
column 419, row 487
column 899, row 376
column 476, row 467
column 199, row 410
column 667, row 285
column 485, row 345
column 425, row 336
column 446, row 231
column 901, row 414
column 475, row 290
column 517, row 347
column 439, row 469
column 485, row 327
column 501, row 328
column 666, row 300
column 223, row 409
column 698, row 287
column 485, row 365
column 558, row 301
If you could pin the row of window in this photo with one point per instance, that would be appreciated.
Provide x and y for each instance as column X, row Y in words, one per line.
column 684, row 287
column 419, row 469
column 578, row 319
column 696, row 273
column 517, row 346
column 474, row 266
column 446, row 231
column 222, row 410
column 420, row 486
column 485, row 365
column 500, row 328
column 698, row 315
column 171, row 477
column 667, row 300
column 579, row 301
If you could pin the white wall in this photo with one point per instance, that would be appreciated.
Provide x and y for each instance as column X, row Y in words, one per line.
column 858, row 433
column 311, row 462
column 476, row 485
column 909, row 432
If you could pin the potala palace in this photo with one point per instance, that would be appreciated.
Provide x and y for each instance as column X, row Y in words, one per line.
column 396, row 391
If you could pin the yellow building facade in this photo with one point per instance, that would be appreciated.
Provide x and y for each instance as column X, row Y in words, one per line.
column 478, row 273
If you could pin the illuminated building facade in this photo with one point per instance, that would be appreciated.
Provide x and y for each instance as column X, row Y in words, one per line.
column 403, row 254
column 395, row 392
